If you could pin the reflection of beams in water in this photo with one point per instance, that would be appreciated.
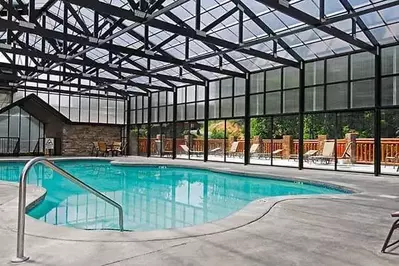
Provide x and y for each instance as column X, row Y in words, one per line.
column 154, row 199
column 166, row 209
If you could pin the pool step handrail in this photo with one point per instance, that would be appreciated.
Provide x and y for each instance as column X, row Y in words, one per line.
column 22, row 200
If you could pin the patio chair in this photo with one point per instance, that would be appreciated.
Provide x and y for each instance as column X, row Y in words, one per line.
column 116, row 148
column 395, row 226
column 267, row 155
column 187, row 150
column 327, row 154
column 233, row 150
column 252, row 151
column 306, row 155
column 216, row 151
column 103, row 149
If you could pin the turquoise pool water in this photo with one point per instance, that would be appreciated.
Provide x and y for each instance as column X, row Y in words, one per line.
column 152, row 197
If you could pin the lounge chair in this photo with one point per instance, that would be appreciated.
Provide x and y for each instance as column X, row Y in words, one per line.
column 306, row 155
column 216, row 151
column 392, row 159
column 395, row 226
column 327, row 154
column 252, row 151
column 187, row 150
column 233, row 150
column 276, row 154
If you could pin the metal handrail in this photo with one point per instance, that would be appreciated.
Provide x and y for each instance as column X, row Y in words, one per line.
column 22, row 200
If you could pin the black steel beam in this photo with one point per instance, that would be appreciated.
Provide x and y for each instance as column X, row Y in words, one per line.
column 133, row 5
column 360, row 23
column 117, row 49
column 206, row 29
column 246, row 51
column 77, row 18
column 322, row 14
column 310, row 20
column 155, row 6
column 162, row 25
column 63, row 91
column 13, row 12
column 267, row 29
column 60, row 21
column 198, row 14
column 158, row 49
column 46, row 33
column 72, row 75
column 325, row 23
column 247, row 120
column 82, row 62
column 72, row 85
column 301, row 114
column 377, row 114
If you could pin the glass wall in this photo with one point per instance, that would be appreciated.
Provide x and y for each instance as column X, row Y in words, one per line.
column 339, row 111
column 390, row 141
column 20, row 133
column 235, row 140
column 216, row 140
column 261, row 141
column 319, row 140
column 99, row 107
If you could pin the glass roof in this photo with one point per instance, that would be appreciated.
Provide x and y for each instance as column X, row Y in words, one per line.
column 377, row 27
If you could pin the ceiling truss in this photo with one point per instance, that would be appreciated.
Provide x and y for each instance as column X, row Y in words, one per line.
column 65, row 52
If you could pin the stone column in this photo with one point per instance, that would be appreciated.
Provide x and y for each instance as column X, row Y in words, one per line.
column 288, row 144
column 350, row 140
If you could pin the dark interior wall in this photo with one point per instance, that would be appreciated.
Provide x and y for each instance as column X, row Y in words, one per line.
column 54, row 130
column 77, row 140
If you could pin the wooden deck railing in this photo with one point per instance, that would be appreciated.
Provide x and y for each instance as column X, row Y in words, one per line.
column 364, row 146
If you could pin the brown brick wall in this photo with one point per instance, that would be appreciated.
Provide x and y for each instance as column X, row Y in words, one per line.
column 78, row 139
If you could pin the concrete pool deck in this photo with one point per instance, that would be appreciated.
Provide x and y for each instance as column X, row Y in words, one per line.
column 317, row 230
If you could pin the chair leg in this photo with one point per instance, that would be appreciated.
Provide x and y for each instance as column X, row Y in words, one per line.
column 395, row 226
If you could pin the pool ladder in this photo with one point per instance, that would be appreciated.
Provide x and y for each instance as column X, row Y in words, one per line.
column 22, row 201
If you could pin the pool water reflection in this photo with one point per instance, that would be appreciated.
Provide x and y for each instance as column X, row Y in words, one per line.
column 152, row 197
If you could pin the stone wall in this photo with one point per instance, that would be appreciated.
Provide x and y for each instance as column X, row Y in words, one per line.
column 78, row 139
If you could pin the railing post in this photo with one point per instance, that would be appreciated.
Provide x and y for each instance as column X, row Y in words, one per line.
column 21, row 214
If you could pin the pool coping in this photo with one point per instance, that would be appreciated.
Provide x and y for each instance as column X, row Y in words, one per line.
column 247, row 215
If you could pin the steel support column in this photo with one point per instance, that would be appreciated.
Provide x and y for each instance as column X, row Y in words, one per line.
column 301, row 115
column 206, row 117
column 377, row 114
column 174, row 148
column 149, row 126
column 198, row 14
column 128, row 125
column 247, row 121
